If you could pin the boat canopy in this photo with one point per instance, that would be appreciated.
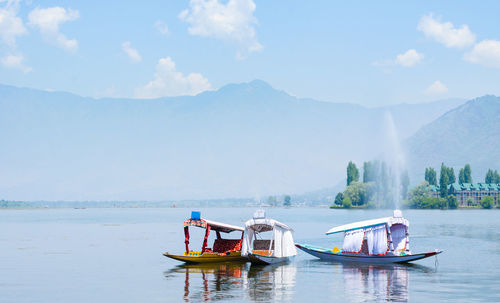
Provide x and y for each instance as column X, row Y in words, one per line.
column 282, row 240
column 389, row 221
column 217, row 226
column 197, row 221
column 379, row 235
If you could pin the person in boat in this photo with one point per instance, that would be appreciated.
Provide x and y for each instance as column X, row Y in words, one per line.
column 222, row 250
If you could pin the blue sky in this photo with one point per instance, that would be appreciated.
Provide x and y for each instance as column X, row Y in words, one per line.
column 368, row 53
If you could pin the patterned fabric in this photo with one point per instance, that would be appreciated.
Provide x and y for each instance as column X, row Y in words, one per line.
column 195, row 222
column 226, row 245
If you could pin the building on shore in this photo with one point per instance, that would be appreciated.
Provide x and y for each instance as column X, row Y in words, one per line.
column 470, row 194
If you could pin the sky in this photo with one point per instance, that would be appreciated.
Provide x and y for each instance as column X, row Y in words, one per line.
column 370, row 53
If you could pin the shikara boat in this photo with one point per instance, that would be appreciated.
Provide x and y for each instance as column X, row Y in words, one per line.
column 223, row 250
column 278, row 248
column 384, row 240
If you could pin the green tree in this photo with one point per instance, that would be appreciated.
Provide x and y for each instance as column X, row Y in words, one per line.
column 496, row 177
column 451, row 175
column 418, row 194
column 357, row 193
column 443, row 181
column 339, row 198
column 287, row 201
column 346, row 203
column 492, row 176
column 489, row 176
column 461, row 176
column 405, row 182
column 452, row 202
column 487, row 202
column 433, row 203
column 430, row 176
column 352, row 173
column 467, row 174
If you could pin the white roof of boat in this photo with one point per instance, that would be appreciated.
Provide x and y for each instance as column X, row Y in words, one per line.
column 368, row 223
column 265, row 221
column 223, row 226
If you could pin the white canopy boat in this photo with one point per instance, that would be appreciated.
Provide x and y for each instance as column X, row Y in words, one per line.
column 383, row 240
column 279, row 248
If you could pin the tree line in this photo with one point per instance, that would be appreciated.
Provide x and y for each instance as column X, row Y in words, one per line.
column 420, row 196
column 377, row 188
column 464, row 175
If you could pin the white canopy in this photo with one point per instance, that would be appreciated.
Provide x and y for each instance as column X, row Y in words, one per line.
column 381, row 235
column 396, row 219
column 282, row 235
column 227, row 228
column 264, row 224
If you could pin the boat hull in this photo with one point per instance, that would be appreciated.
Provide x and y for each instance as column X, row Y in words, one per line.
column 266, row 260
column 234, row 256
column 328, row 255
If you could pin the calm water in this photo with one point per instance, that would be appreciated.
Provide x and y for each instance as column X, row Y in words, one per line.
column 115, row 255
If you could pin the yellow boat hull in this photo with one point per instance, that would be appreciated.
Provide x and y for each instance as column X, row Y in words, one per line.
column 194, row 257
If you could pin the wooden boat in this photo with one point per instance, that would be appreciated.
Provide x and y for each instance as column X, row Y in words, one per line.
column 384, row 240
column 223, row 250
column 279, row 248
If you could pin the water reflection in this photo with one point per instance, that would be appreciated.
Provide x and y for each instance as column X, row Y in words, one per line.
column 378, row 283
column 210, row 282
column 271, row 282
column 244, row 282
column 216, row 282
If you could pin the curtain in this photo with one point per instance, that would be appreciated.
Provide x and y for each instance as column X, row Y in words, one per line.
column 353, row 240
column 277, row 238
column 376, row 239
column 288, row 246
column 398, row 234
column 246, row 246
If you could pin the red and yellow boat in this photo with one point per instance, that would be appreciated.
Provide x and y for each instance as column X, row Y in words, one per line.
column 223, row 250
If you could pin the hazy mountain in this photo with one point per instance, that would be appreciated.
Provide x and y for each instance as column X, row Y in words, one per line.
column 243, row 140
column 469, row 133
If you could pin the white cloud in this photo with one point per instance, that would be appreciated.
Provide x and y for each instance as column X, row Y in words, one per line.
column 486, row 53
column 132, row 53
column 410, row 58
column 436, row 88
column 232, row 22
column 169, row 82
column 15, row 62
column 162, row 27
column 445, row 32
column 48, row 21
column 11, row 26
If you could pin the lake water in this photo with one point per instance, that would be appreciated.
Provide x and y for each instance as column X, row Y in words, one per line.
column 115, row 255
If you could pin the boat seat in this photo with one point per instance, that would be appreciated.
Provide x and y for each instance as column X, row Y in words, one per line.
column 225, row 245
column 263, row 245
column 263, row 252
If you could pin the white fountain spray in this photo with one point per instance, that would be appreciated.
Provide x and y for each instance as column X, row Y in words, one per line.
column 394, row 157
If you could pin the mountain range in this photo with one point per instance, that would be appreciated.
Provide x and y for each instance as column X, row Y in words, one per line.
column 242, row 140
column 469, row 133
